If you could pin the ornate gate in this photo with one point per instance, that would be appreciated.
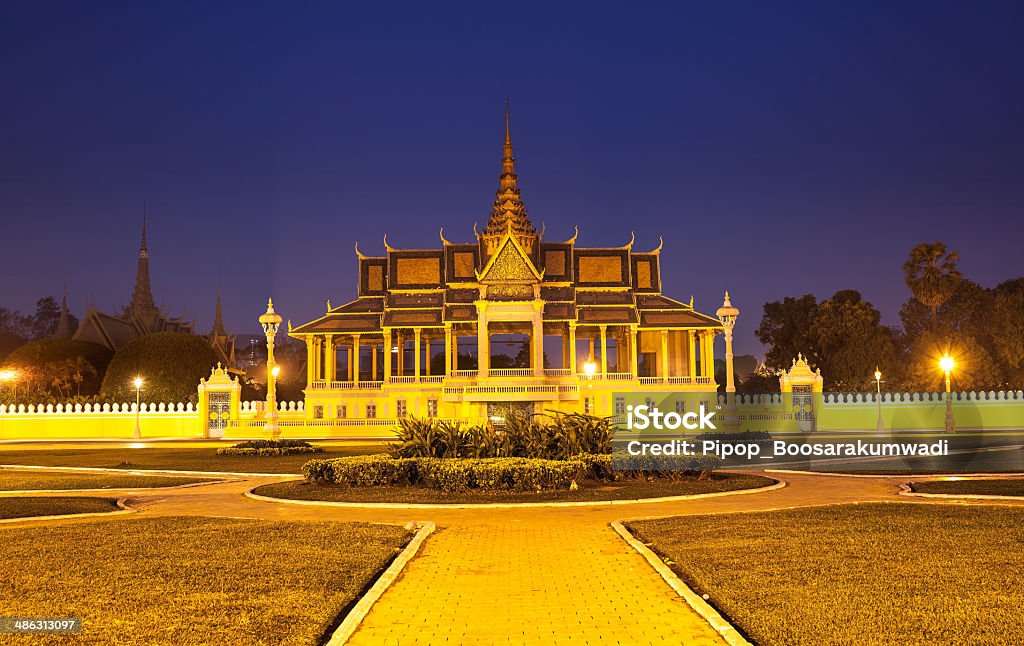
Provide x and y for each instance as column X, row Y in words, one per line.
column 219, row 414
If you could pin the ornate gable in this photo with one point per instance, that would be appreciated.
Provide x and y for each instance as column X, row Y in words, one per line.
column 510, row 264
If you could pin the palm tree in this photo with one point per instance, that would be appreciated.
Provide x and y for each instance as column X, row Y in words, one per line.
column 931, row 275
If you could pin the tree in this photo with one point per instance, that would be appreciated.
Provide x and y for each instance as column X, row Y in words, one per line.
column 786, row 329
column 170, row 363
column 13, row 322
column 1006, row 327
column 48, row 367
column 853, row 342
column 931, row 274
column 47, row 315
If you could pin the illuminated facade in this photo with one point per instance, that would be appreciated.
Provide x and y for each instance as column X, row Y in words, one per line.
column 467, row 330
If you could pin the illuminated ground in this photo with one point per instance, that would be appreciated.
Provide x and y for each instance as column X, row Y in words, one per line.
column 536, row 575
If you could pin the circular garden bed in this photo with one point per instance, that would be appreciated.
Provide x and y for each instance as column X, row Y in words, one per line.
column 588, row 491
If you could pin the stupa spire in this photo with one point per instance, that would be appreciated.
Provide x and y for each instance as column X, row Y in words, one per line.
column 218, row 318
column 142, row 297
column 64, row 330
column 508, row 208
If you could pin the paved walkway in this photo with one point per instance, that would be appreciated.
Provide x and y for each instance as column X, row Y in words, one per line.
column 530, row 575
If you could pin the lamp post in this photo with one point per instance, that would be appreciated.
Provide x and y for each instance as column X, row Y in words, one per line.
column 728, row 314
column 589, row 370
column 878, row 398
column 271, row 321
column 138, row 404
column 947, row 363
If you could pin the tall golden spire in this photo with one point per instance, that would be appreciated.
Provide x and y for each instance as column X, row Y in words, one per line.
column 508, row 208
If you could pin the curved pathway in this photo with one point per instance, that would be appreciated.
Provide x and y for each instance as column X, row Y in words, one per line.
column 532, row 575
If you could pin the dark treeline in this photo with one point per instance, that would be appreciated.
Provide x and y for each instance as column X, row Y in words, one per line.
column 981, row 328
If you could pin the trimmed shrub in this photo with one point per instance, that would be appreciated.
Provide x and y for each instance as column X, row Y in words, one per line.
column 362, row 471
column 270, row 447
column 511, row 474
column 171, row 363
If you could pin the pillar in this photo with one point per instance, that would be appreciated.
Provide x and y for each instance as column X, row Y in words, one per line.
column 538, row 343
column 483, row 343
column 634, row 352
column 387, row 355
column 373, row 370
column 447, row 350
column 664, row 355
column 692, row 354
column 604, row 350
column 348, row 368
column 355, row 359
column 416, row 348
column 400, row 360
column 572, row 348
column 310, row 367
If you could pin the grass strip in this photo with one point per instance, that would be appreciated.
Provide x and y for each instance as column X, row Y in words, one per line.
column 999, row 487
column 27, row 506
column 17, row 480
column 190, row 581
column 855, row 574
column 176, row 458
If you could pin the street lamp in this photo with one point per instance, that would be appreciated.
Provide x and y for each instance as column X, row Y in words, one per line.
column 271, row 322
column 878, row 398
column 947, row 363
column 11, row 377
column 137, row 382
column 728, row 314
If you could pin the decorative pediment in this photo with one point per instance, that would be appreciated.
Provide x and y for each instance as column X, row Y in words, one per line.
column 510, row 263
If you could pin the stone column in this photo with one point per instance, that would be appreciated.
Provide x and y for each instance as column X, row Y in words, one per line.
column 538, row 343
column 310, row 365
column 634, row 351
column 416, row 348
column 387, row 355
column 483, row 343
column 665, row 355
column 400, row 361
column 373, row 369
column 604, row 350
column 355, row 359
column 572, row 348
column 348, row 363
column 447, row 350
column 692, row 354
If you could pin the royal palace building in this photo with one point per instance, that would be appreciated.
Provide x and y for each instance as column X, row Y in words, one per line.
column 511, row 320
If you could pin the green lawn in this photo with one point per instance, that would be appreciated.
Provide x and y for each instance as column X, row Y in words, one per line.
column 588, row 491
column 856, row 574
column 24, row 507
column 177, row 458
column 186, row 581
column 1007, row 487
column 17, row 480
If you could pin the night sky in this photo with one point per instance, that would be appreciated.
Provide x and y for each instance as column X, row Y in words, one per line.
column 780, row 150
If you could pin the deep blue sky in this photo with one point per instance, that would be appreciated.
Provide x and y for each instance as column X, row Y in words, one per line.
column 780, row 149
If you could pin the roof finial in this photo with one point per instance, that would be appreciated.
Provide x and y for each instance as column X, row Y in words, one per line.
column 508, row 131
column 143, row 250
